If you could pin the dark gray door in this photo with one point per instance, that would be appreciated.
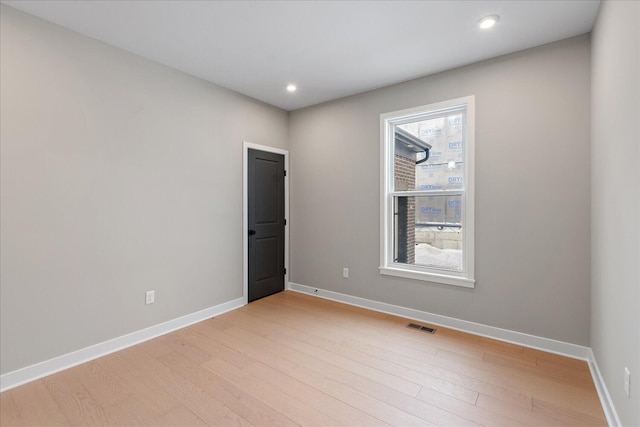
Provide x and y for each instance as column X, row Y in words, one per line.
column 266, row 223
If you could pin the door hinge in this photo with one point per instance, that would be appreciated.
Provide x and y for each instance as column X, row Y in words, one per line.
column 285, row 221
column 285, row 173
column 285, row 271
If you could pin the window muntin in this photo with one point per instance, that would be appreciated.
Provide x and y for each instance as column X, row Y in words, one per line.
column 427, row 205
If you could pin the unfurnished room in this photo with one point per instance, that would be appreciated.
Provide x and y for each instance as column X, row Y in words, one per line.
column 320, row 213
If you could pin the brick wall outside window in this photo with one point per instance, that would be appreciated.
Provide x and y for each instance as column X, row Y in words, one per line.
column 405, row 179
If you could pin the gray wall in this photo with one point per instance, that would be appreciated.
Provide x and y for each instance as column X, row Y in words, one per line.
column 532, row 193
column 615, row 206
column 118, row 175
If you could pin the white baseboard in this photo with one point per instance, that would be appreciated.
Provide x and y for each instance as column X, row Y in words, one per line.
column 603, row 393
column 60, row 363
column 539, row 343
column 519, row 338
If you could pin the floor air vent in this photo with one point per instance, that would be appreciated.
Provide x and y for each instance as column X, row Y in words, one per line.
column 421, row 328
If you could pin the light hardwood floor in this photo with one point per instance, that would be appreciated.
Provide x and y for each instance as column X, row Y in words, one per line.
column 292, row 359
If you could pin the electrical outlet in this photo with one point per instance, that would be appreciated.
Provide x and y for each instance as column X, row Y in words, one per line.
column 345, row 273
column 627, row 381
column 150, row 297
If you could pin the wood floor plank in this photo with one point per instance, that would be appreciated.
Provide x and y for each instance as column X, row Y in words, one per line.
column 181, row 416
column 342, row 317
column 500, row 359
column 292, row 359
column 522, row 415
column 215, row 348
column 37, row 406
column 580, row 379
column 581, row 399
column 175, row 342
column 345, row 414
column 236, row 399
column 296, row 409
column 506, row 350
column 561, row 361
column 380, row 409
column 357, row 391
column 332, row 380
column 311, row 344
column 564, row 414
column 470, row 411
column 578, row 374
column 9, row 413
column 317, row 350
column 415, row 363
column 131, row 412
column 75, row 402
column 202, row 404
column 142, row 388
column 321, row 401
column 468, row 378
column 99, row 381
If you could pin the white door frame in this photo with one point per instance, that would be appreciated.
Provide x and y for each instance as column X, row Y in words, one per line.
column 245, row 213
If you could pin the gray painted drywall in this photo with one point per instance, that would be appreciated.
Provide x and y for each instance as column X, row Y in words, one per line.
column 532, row 193
column 118, row 175
column 615, row 204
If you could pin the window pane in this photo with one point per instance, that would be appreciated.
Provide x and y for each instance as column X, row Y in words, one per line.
column 428, row 231
column 443, row 170
column 427, row 215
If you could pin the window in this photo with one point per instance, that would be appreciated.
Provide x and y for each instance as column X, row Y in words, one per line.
column 427, row 204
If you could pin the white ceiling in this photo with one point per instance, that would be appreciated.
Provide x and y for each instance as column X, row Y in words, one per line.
column 330, row 49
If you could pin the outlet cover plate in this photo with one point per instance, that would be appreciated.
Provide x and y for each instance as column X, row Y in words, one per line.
column 149, row 297
column 627, row 381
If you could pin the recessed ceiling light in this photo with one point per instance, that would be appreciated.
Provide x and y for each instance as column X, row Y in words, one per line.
column 488, row 21
column 291, row 88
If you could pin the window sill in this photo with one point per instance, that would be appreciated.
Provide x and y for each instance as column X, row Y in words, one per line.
column 428, row 276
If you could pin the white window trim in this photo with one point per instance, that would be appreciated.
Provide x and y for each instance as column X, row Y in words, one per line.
column 466, row 278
